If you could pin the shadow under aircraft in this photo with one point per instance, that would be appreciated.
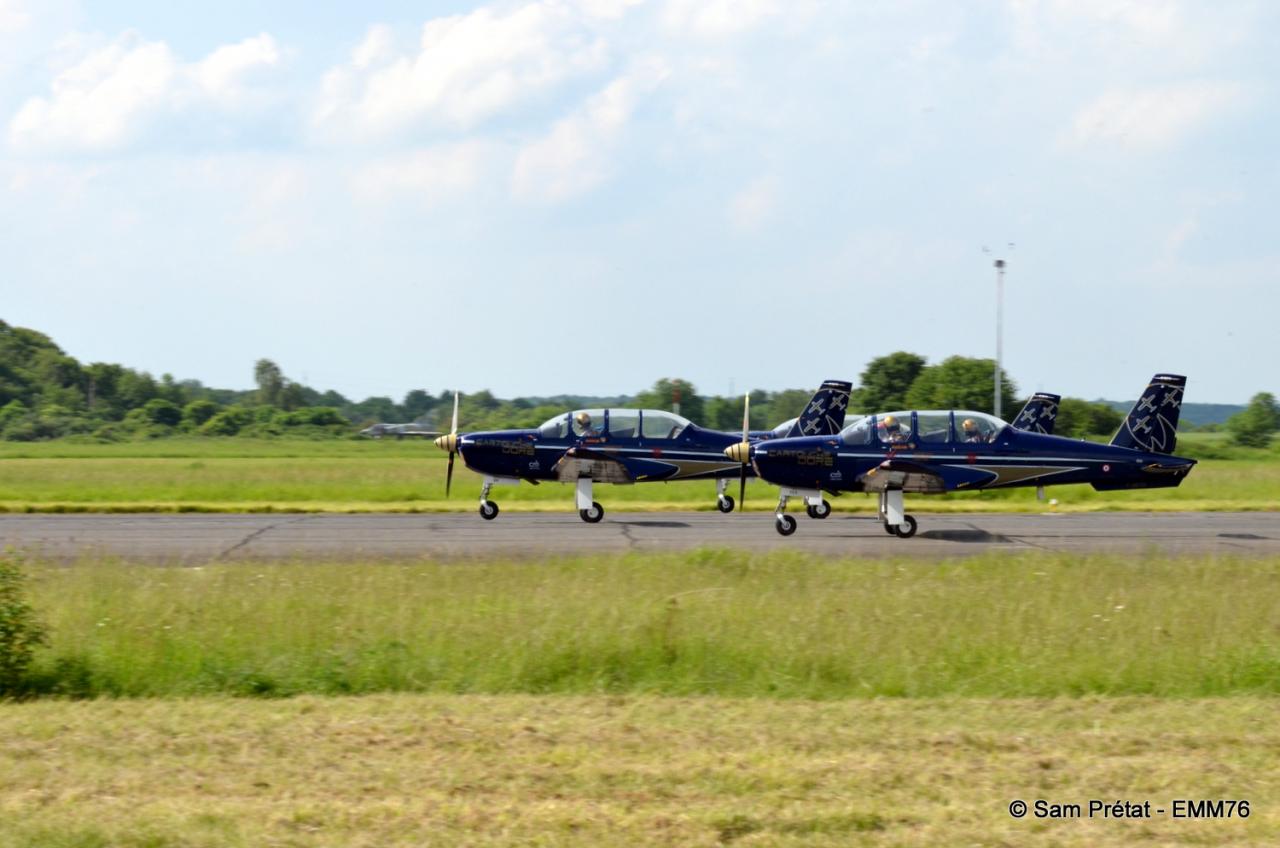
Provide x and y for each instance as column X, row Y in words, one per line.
column 938, row 451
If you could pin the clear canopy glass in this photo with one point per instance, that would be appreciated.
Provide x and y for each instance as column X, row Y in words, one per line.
column 935, row 426
column 656, row 424
column 783, row 428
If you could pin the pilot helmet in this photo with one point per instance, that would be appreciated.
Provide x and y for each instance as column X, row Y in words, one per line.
column 969, row 426
column 583, row 419
column 890, row 423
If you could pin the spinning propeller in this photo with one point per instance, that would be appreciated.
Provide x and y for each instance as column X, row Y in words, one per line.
column 450, row 443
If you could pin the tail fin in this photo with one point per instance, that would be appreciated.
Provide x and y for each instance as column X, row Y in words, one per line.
column 1039, row 414
column 824, row 416
column 1152, row 424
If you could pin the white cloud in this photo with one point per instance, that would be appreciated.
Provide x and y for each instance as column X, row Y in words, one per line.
column 13, row 16
column 574, row 156
column 751, row 207
column 718, row 17
column 113, row 94
column 1153, row 117
column 223, row 73
column 466, row 69
column 431, row 175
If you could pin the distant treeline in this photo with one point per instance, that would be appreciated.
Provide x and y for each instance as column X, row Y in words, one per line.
column 46, row 394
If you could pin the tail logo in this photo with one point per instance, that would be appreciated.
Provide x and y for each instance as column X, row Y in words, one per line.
column 1154, row 432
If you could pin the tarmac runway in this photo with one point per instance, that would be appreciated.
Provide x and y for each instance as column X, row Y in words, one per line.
column 203, row 537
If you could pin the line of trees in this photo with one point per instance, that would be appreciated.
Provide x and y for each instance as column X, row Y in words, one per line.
column 45, row 394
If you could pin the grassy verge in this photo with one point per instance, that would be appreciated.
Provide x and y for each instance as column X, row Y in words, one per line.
column 722, row 623
column 601, row 771
column 375, row 477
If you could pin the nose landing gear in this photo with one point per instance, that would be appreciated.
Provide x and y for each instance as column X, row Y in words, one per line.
column 724, row 502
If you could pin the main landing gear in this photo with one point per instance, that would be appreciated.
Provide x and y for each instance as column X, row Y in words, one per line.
column 815, row 505
column 724, row 502
column 588, row 510
column 896, row 522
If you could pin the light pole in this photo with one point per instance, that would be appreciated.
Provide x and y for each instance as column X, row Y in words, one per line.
column 999, row 328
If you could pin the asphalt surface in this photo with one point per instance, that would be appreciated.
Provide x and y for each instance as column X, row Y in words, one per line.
column 203, row 537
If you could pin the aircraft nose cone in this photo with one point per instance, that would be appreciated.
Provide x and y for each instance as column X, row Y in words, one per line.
column 739, row 452
column 448, row 442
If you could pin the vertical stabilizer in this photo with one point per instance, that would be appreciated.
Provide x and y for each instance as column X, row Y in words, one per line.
column 1152, row 424
column 1039, row 415
column 824, row 416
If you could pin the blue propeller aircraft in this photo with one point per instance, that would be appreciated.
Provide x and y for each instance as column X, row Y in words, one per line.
column 1037, row 416
column 938, row 451
column 589, row 446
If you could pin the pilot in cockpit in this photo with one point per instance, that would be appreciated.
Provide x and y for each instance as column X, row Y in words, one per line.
column 893, row 431
column 969, row 432
column 583, row 426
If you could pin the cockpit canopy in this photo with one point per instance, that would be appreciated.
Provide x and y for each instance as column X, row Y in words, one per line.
column 617, row 423
column 928, row 426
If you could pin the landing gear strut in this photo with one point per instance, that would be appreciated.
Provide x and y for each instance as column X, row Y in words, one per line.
column 821, row 510
column 588, row 510
column 488, row 509
column 896, row 522
column 814, row 505
column 724, row 502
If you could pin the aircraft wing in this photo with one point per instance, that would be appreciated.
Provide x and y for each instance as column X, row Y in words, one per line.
column 908, row 475
column 929, row 476
column 604, row 465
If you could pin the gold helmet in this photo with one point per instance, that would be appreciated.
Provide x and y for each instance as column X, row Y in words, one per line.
column 890, row 423
column 583, row 419
column 969, row 425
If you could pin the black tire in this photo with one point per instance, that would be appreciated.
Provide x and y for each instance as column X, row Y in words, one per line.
column 907, row 528
column 785, row 525
column 488, row 510
column 819, row 511
column 725, row 504
column 889, row 528
column 593, row 515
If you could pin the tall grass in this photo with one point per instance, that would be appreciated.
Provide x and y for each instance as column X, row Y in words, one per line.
column 709, row 622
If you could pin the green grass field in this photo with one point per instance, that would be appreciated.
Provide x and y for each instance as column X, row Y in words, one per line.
column 720, row 623
column 705, row 699
column 444, row 770
column 199, row 475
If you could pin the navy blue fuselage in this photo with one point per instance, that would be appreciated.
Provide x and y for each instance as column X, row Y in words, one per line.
column 864, row 459
column 536, row 454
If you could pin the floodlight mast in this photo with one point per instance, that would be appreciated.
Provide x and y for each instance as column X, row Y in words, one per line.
column 999, row 330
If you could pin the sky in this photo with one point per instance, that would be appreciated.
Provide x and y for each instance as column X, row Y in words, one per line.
column 584, row 196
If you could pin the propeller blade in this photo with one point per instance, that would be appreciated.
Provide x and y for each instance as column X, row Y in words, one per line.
column 742, row 472
column 452, row 441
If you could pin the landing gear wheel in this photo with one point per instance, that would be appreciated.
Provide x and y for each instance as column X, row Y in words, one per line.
column 889, row 528
column 593, row 515
column 785, row 525
column 907, row 528
column 725, row 504
column 488, row 510
column 818, row 511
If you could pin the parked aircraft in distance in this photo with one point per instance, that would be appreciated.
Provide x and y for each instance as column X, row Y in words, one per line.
column 587, row 446
column 937, row 451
